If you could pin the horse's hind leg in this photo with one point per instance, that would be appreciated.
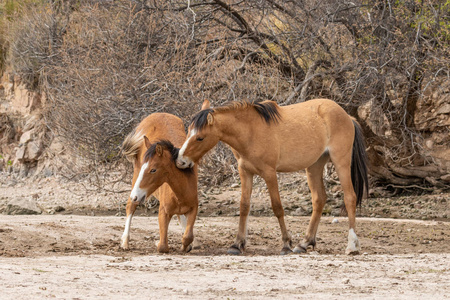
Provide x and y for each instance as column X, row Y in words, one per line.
column 131, row 208
column 342, row 165
column 315, row 182
column 244, row 209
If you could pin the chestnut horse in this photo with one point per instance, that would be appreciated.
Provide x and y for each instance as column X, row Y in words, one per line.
column 153, row 157
column 266, row 138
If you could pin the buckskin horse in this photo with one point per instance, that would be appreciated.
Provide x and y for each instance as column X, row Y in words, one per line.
column 266, row 138
column 151, row 147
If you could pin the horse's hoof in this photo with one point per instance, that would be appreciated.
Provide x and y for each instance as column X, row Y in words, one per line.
column 124, row 245
column 351, row 252
column 188, row 248
column 285, row 251
column 162, row 248
column 234, row 250
column 299, row 250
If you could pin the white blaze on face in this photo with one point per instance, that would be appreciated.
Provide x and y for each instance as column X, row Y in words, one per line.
column 137, row 193
column 184, row 162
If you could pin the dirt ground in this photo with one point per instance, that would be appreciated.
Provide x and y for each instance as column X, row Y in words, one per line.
column 75, row 254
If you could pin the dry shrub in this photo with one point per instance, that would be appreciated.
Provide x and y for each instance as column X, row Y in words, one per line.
column 104, row 65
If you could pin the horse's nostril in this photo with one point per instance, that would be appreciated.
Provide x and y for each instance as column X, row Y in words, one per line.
column 134, row 199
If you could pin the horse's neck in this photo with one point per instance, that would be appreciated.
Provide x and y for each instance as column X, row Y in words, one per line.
column 182, row 184
column 235, row 129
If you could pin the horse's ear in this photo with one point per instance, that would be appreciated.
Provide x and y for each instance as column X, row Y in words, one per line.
column 206, row 104
column 147, row 142
column 159, row 149
column 210, row 119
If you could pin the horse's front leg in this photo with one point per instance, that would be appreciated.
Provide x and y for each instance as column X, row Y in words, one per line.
column 246, row 192
column 272, row 185
column 163, row 220
column 131, row 208
column 188, row 236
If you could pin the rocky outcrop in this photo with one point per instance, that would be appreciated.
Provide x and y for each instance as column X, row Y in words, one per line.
column 31, row 143
column 22, row 100
column 20, row 206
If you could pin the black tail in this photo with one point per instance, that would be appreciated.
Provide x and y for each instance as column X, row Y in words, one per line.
column 359, row 165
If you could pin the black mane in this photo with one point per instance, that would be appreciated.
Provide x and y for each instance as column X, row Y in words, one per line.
column 201, row 118
column 268, row 110
column 169, row 147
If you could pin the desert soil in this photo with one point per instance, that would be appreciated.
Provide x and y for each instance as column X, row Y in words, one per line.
column 75, row 253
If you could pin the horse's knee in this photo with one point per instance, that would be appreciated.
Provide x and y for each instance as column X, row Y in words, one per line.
column 278, row 210
column 244, row 207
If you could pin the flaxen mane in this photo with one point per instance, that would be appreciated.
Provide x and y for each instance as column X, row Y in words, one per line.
column 268, row 110
column 131, row 144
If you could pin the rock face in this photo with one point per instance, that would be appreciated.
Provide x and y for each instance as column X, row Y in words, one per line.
column 23, row 101
column 22, row 207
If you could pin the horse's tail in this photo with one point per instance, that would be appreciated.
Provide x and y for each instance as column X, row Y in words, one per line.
column 359, row 165
column 131, row 144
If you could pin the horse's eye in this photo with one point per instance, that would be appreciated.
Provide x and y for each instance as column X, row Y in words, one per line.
column 200, row 139
column 152, row 170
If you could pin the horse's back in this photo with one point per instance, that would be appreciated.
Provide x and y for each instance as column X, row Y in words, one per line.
column 317, row 116
column 308, row 129
column 163, row 126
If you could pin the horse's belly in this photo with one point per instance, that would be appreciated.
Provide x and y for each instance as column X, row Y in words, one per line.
column 292, row 161
column 295, row 165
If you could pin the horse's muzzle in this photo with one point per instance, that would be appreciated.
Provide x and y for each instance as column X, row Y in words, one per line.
column 138, row 200
column 182, row 164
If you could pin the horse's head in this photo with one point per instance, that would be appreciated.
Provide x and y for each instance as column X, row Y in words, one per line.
column 155, row 170
column 202, row 137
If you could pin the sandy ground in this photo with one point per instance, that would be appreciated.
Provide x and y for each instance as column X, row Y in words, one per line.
column 74, row 253
column 78, row 257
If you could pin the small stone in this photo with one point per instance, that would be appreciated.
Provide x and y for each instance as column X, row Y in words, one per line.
column 335, row 221
column 34, row 150
column 235, row 185
column 346, row 281
column 444, row 109
column 25, row 137
column 59, row 209
column 446, row 177
column 20, row 153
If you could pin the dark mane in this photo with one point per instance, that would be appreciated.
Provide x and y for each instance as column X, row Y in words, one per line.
column 166, row 144
column 268, row 110
column 201, row 118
